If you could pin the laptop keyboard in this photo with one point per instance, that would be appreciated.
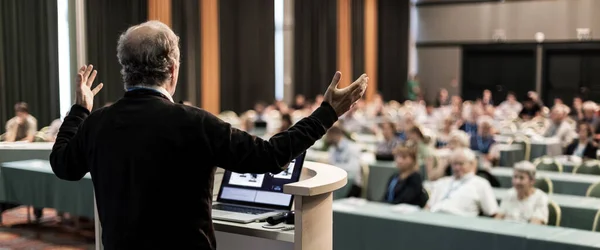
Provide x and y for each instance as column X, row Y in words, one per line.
column 238, row 209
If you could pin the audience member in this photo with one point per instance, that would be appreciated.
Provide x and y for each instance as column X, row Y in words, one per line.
column 414, row 90
column 443, row 136
column 344, row 154
column 536, row 98
column 583, row 146
column 406, row 187
column 464, row 193
column 589, row 115
column 286, row 122
column 425, row 154
column 443, row 99
column 577, row 109
column 523, row 202
column 52, row 132
column 484, row 141
column 511, row 105
column 22, row 127
column 470, row 125
column 299, row 102
column 530, row 109
column 559, row 127
column 486, row 99
column 390, row 141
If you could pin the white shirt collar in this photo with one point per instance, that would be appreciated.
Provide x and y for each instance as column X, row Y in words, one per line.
column 157, row 88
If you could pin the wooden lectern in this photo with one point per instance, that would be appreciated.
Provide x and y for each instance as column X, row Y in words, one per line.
column 313, row 202
column 313, row 205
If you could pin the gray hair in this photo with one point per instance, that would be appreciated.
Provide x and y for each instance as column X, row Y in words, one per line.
column 147, row 53
column 526, row 167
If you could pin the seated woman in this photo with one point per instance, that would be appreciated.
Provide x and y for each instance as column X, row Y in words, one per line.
column 484, row 141
column 444, row 135
column 523, row 202
column 425, row 154
column 406, row 186
column 390, row 141
column 583, row 146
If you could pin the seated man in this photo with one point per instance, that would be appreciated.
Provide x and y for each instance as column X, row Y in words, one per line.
column 463, row 193
column 344, row 154
column 22, row 127
column 390, row 141
column 470, row 126
column 559, row 127
column 511, row 106
column 484, row 141
column 523, row 202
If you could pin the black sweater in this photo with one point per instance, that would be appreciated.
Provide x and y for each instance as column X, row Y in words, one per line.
column 152, row 163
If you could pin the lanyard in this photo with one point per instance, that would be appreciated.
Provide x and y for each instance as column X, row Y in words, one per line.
column 454, row 188
column 393, row 183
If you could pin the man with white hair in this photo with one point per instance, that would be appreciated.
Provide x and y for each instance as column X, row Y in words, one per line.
column 523, row 202
column 559, row 127
column 145, row 148
column 463, row 193
column 589, row 115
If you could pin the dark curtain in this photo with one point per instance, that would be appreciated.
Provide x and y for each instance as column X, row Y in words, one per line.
column 247, row 47
column 358, row 38
column 106, row 20
column 186, row 24
column 29, row 59
column 393, row 38
column 315, row 46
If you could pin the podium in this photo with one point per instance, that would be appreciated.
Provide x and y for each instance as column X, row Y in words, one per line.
column 313, row 201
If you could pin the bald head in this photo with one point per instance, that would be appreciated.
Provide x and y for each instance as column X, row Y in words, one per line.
column 149, row 56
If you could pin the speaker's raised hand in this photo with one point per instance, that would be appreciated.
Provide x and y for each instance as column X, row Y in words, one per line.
column 342, row 99
column 84, row 95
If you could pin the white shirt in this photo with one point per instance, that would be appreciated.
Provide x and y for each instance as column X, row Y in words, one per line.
column 346, row 155
column 563, row 131
column 510, row 108
column 465, row 197
column 533, row 207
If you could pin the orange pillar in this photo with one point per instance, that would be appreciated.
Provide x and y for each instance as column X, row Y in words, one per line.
column 160, row 10
column 344, row 41
column 371, row 47
column 210, row 63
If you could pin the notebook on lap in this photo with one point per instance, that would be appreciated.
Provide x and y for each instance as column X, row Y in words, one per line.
column 246, row 198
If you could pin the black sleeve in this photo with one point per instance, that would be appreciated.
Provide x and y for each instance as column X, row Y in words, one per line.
column 239, row 151
column 67, row 158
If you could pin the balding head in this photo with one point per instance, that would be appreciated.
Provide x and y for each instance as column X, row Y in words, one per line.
column 149, row 56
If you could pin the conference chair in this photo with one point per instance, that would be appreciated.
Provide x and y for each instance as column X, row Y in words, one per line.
column 40, row 136
column 365, row 179
column 526, row 143
column 588, row 167
column 508, row 128
column 596, row 218
column 554, row 214
column 593, row 190
column 544, row 184
column 548, row 164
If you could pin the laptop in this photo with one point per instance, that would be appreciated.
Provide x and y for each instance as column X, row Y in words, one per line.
column 246, row 198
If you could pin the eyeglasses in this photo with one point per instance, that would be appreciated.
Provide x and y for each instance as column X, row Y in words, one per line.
column 457, row 163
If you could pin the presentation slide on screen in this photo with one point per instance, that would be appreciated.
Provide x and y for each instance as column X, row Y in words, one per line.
column 286, row 174
column 247, row 180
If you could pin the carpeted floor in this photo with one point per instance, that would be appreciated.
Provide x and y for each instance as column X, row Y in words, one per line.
column 16, row 233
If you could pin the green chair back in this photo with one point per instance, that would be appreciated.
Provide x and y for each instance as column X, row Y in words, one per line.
column 548, row 164
column 588, row 167
column 554, row 214
column 596, row 224
column 593, row 190
column 544, row 184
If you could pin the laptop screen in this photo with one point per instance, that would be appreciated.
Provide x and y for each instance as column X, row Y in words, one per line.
column 264, row 190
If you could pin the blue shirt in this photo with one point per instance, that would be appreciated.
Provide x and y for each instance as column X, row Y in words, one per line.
column 482, row 144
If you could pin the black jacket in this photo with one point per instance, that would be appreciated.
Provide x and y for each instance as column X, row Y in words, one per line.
column 589, row 152
column 152, row 163
column 409, row 191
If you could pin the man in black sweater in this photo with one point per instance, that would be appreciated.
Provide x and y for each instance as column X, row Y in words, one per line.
column 145, row 150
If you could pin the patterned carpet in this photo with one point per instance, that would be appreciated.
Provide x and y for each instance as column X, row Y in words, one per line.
column 15, row 233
